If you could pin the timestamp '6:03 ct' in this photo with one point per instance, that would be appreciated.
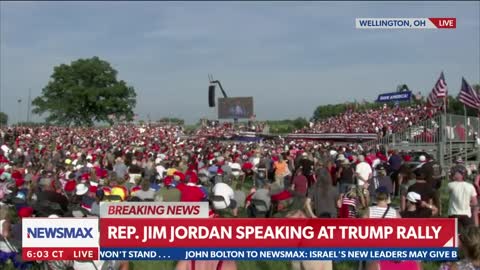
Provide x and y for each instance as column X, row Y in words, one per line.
column 43, row 254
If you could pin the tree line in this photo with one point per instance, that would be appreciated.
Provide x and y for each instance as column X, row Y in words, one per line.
column 88, row 91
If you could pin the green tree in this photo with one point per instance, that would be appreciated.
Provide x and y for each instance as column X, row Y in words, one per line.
column 402, row 88
column 3, row 119
column 171, row 120
column 85, row 92
column 325, row 111
column 299, row 123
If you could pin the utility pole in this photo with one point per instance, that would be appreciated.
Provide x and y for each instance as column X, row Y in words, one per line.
column 29, row 104
column 19, row 109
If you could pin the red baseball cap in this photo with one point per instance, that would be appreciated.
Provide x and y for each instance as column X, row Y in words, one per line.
column 25, row 212
column 93, row 189
column 70, row 186
column 19, row 182
column 168, row 181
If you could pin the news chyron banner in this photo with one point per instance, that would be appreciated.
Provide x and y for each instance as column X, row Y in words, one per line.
column 127, row 235
column 184, row 231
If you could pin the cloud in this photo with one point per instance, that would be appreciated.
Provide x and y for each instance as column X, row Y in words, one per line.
column 309, row 53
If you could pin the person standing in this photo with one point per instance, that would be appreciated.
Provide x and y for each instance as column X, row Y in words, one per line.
column 434, row 177
column 120, row 168
column 422, row 187
column 345, row 175
column 416, row 208
column 300, row 184
column 381, row 179
column 323, row 196
column 395, row 161
column 310, row 264
column 363, row 171
column 281, row 171
column 463, row 201
column 307, row 166
column 382, row 209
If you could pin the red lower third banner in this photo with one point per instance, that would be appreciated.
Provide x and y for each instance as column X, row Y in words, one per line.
column 59, row 254
column 251, row 233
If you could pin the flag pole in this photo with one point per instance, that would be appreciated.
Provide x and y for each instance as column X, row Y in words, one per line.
column 451, row 130
column 443, row 125
column 444, row 128
column 466, row 131
column 477, row 141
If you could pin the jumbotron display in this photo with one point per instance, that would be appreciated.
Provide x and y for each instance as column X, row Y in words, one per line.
column 235, row 108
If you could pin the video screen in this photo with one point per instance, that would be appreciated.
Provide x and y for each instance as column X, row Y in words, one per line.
column 235, row 108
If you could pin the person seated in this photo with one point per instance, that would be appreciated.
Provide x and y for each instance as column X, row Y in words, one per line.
column 261, row 194
column 145, row 193
column 225, row 191
column 239, row 195
column 168, row 193
column 191, row 191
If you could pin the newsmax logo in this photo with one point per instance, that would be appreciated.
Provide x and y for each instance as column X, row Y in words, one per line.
column 406, row 23
column 60, row 232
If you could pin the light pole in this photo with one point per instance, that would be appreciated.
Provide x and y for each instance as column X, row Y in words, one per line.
column 19, row 101
column 29, row 104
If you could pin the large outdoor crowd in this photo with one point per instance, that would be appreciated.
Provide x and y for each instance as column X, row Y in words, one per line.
column 65, row 172
column 215, row 129
column 385, row 120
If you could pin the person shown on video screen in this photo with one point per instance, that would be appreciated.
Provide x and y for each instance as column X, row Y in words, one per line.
column 237, row 110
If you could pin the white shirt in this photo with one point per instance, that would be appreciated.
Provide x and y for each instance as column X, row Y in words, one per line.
column 375, row 163
column 255, row 161
column 364, row 170
column 224, row 190
column 378, row 212
column 461, row 194
column 160, row 170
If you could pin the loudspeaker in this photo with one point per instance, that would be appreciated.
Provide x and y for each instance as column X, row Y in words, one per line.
column 211, row 96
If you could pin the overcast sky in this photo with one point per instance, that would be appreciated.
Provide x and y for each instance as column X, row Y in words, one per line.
column 290, row 56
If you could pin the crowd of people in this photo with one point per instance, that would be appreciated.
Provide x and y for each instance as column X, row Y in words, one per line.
column 385, row 120
column 65, row 172
column 215, row 129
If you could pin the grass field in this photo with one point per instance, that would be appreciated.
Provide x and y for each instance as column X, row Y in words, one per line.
column 282, row 265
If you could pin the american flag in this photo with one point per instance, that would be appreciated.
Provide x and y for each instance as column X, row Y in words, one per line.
column 468, row 96
column 439, row 92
